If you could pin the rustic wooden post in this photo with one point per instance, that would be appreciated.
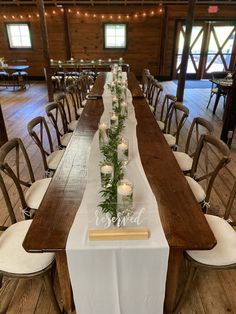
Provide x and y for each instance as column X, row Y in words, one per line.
column 44, row 36
column 3, row 131
column 184, row 61
column 229, row 119
column 164, row 24
column 66, row 35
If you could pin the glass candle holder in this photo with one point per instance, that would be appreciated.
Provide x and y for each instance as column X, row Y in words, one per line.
column 123, row 151
column 107, row 173
column 124, row 201
column 113, row 120
column 124, row 108
column 103, row 134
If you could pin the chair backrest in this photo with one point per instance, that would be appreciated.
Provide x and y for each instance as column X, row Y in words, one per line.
column 198, row 127
column 8, row 203
column 15, row 163
column 176, row 118
column 168, row 102
column 74, row 98
column 157, row 95
column 56, row 115
column 150, row 88
column 145, row 79
column 39, row 131
column 211, row 154
column 65, row 101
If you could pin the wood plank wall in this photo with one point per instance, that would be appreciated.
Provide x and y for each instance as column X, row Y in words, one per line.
column 86, row 34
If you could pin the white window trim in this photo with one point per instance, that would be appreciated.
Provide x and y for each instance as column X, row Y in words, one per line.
column 11, row 44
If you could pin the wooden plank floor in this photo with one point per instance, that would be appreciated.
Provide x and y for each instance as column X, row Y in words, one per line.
column 212, row 293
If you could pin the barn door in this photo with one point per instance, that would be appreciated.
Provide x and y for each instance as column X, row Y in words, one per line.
column 220, row 51
column 194, row 53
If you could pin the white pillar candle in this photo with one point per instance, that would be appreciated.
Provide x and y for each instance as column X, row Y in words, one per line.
column 123, row 151
column 114, row 119
column 103, row 126
column 106, row 169
column 124, row 189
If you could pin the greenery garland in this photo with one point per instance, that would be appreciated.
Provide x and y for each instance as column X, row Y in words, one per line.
column 109, row 151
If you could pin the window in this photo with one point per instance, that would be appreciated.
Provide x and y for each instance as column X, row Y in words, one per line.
column 115, row 36
column 18, row 35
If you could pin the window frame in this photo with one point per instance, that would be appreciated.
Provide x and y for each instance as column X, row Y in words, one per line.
column 30, row 34
column 126, row 36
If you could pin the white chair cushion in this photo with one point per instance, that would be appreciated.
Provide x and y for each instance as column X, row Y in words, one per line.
column 36, row 192
column 13, row 258
column 84, row 102
column 151, row 108
column 171, row 140
column 66, row 138
column 72, row 125
column 161, row 125
column 224, row 253
column 54, row 158
column 79, row 111
column 184, row 160
column 196, row 188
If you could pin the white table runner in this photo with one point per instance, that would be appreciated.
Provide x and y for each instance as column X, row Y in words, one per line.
column 118, row 277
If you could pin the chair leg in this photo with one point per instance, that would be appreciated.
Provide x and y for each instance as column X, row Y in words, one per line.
column 191, row 276
column 209, row 100
column 49, row 287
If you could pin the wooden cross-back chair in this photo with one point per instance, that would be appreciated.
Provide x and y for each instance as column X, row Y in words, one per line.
column 166, row 105
column 145, row 80
column 56, row 115
column 76, row 97
column 198, row 126
column 221, row 256
column 150, row 88
column 214, row 89
column 13, row 158
column 15, row 262
column 176, row 117
column 157, row 95
column 214, row 154
column 81, row 92
column 69, row 108
column 39, row 131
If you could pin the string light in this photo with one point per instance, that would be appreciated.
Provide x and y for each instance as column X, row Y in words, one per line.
column 135, row 16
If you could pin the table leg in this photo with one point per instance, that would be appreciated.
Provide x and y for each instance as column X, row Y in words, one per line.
column 173, row 279
column 64, row 281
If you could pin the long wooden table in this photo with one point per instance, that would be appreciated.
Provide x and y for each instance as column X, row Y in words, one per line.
column 184, row 224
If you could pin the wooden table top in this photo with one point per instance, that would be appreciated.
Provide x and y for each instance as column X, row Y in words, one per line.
column 184, row 224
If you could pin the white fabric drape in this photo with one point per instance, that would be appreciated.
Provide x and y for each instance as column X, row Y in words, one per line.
column 118, row 277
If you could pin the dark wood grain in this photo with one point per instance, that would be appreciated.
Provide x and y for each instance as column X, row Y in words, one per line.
column 181, row 216
column 56, row 213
